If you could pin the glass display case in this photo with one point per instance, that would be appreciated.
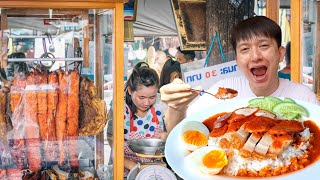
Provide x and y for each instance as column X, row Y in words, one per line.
column 304, row 38
column 56, row 57
column 309, row 42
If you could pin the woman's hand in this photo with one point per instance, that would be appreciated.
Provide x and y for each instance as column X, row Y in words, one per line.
column 162, row 135
column 177, row 95
column 129, row 164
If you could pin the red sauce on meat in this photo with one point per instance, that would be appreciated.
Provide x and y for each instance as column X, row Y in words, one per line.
column 210, row 121
column 289, row 127
column 219, row 132
column 235, row 126
column 236, row 117
column 315, row 151
column 277, row 144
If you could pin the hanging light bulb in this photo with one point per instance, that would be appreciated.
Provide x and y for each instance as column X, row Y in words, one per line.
column 141, row 53
column 131, row 53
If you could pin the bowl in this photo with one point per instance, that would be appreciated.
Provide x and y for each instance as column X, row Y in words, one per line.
column 150, row 146
column 147, row 150
column 148, row 142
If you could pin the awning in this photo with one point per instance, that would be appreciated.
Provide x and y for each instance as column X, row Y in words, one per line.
column 154, row 18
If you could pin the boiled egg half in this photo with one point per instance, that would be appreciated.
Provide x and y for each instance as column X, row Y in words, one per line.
column 194, row 135
column 208, row 160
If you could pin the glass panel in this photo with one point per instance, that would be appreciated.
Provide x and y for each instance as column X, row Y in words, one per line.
column 107, row 44
column 152, row 50
column 260, row 7
column 52, row 111
column 309, row 41
column 284, row 22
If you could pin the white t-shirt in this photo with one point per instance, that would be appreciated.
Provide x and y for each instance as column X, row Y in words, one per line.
column 241, row 84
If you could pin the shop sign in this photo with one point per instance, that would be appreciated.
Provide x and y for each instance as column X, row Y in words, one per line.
column 51, row 21
column 63, row 24
column 207, row 76
column 71, row 28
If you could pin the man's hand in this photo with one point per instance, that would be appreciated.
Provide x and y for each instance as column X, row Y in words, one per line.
column 177, row 94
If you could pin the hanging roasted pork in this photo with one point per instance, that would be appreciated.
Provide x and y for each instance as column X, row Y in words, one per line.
column 92, row 114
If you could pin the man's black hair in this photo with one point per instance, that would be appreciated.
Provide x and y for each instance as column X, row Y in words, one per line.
column 255, row 27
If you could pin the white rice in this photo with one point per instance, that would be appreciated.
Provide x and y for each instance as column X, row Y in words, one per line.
column 236, row 162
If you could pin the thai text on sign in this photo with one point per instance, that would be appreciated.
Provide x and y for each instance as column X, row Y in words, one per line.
column 207, row 76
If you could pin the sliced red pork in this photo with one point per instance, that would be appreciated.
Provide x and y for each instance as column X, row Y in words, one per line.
column 259, row 124
column 252, row 142
column 264, row 144
column 279, row 144
column 286, row 127
column 265, row 113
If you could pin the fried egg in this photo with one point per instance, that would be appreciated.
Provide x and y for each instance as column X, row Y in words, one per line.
column 208, row 160
column 194, row 135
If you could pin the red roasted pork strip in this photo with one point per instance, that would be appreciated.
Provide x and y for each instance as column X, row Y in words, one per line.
column 73, row 116
column 61, row 115
column 50, row 145
column 42, row 105
column 31, row 124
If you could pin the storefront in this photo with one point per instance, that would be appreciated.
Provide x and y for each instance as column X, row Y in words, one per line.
column 288, row 14
column 65, row 38
column 87, row 35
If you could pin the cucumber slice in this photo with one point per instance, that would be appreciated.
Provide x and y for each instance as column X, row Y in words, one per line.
column 288, row 100
column 298, row 116
column 256, row 101
column 290, row 110
column 273, row 99
column 289, row 116
column 262, row 103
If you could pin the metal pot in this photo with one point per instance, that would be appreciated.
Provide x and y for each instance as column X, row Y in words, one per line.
column 150, row 146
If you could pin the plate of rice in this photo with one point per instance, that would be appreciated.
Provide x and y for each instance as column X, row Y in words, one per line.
column 234, row 140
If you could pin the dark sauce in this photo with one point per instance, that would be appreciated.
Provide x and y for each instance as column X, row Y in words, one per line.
column 210, row 121
column 315, row 141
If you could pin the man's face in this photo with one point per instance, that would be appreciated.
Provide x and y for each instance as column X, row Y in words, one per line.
column 258, row 58
column 180, row 58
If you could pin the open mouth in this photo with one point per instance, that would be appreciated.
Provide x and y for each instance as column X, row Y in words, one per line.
column 259, row 72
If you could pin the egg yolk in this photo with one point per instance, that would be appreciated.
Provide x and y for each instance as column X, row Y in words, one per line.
column 215, row 159
column 196, row 138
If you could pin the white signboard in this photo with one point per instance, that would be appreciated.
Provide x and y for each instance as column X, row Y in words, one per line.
column 207, row 76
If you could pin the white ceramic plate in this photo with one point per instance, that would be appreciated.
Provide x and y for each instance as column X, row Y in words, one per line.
column 175, row 153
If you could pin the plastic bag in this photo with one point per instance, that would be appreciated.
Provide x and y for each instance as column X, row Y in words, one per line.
column 105, row 172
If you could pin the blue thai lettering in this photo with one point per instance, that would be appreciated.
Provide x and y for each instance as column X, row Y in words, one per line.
column 228, row 69
column 194, row 77
column 198, row 76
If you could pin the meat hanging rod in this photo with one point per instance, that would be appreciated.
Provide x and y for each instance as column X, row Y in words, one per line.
column 42, row 36
column 43, row 59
